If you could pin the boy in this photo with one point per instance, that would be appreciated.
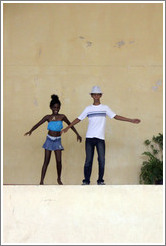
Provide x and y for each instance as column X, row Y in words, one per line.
column 96, row 114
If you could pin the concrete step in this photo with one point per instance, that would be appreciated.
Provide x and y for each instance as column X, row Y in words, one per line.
column 78, row 214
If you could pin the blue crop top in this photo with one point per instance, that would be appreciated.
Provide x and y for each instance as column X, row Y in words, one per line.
column 55, row 126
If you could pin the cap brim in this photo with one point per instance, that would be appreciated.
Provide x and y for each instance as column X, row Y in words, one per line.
column 95, row 93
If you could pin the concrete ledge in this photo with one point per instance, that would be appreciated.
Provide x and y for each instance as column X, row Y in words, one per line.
column 111, row 214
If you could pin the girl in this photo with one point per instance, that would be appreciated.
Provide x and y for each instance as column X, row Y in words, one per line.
column 53, row 140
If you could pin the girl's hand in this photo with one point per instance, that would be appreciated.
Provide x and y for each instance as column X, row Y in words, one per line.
column 136, row 121
column 28, row 133
column 79, row 138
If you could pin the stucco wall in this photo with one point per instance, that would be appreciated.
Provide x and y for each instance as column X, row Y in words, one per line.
column 66, row 49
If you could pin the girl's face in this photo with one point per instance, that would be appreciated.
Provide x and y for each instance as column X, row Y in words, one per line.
column 55, row 108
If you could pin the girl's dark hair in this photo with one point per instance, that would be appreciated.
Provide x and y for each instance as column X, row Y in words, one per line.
column 55, row 99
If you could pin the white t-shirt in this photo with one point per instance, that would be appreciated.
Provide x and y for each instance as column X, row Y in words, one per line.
column 97, row 119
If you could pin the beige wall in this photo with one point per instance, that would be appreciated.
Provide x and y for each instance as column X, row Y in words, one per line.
column 66, row 49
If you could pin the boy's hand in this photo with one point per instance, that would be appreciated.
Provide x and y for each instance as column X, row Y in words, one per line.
column 136, row 121
column 64, row 130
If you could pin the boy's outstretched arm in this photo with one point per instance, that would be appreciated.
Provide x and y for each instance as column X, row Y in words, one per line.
column 135, row 121
column 72, row 127
column 69, row 126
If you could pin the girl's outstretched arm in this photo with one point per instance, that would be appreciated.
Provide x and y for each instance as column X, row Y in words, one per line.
column 118, row 117
column 45, row 118
column 71, row 125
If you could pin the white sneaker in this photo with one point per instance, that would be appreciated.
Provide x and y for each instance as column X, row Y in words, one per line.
column 101, row 183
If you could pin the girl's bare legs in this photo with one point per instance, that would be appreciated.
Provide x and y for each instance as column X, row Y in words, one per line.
column 58, row 157
column 45, row 165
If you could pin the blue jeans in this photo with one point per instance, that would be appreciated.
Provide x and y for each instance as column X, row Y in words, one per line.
column 90, row 145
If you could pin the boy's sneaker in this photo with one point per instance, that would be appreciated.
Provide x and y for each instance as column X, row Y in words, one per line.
column 100, row 183
column 85, row 183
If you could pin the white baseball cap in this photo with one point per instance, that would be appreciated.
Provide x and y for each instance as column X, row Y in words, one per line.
column 96, row 89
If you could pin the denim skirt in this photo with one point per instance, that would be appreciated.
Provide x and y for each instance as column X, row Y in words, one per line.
column 53, row 143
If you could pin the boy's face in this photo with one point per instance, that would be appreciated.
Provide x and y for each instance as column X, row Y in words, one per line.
column 96, row 96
